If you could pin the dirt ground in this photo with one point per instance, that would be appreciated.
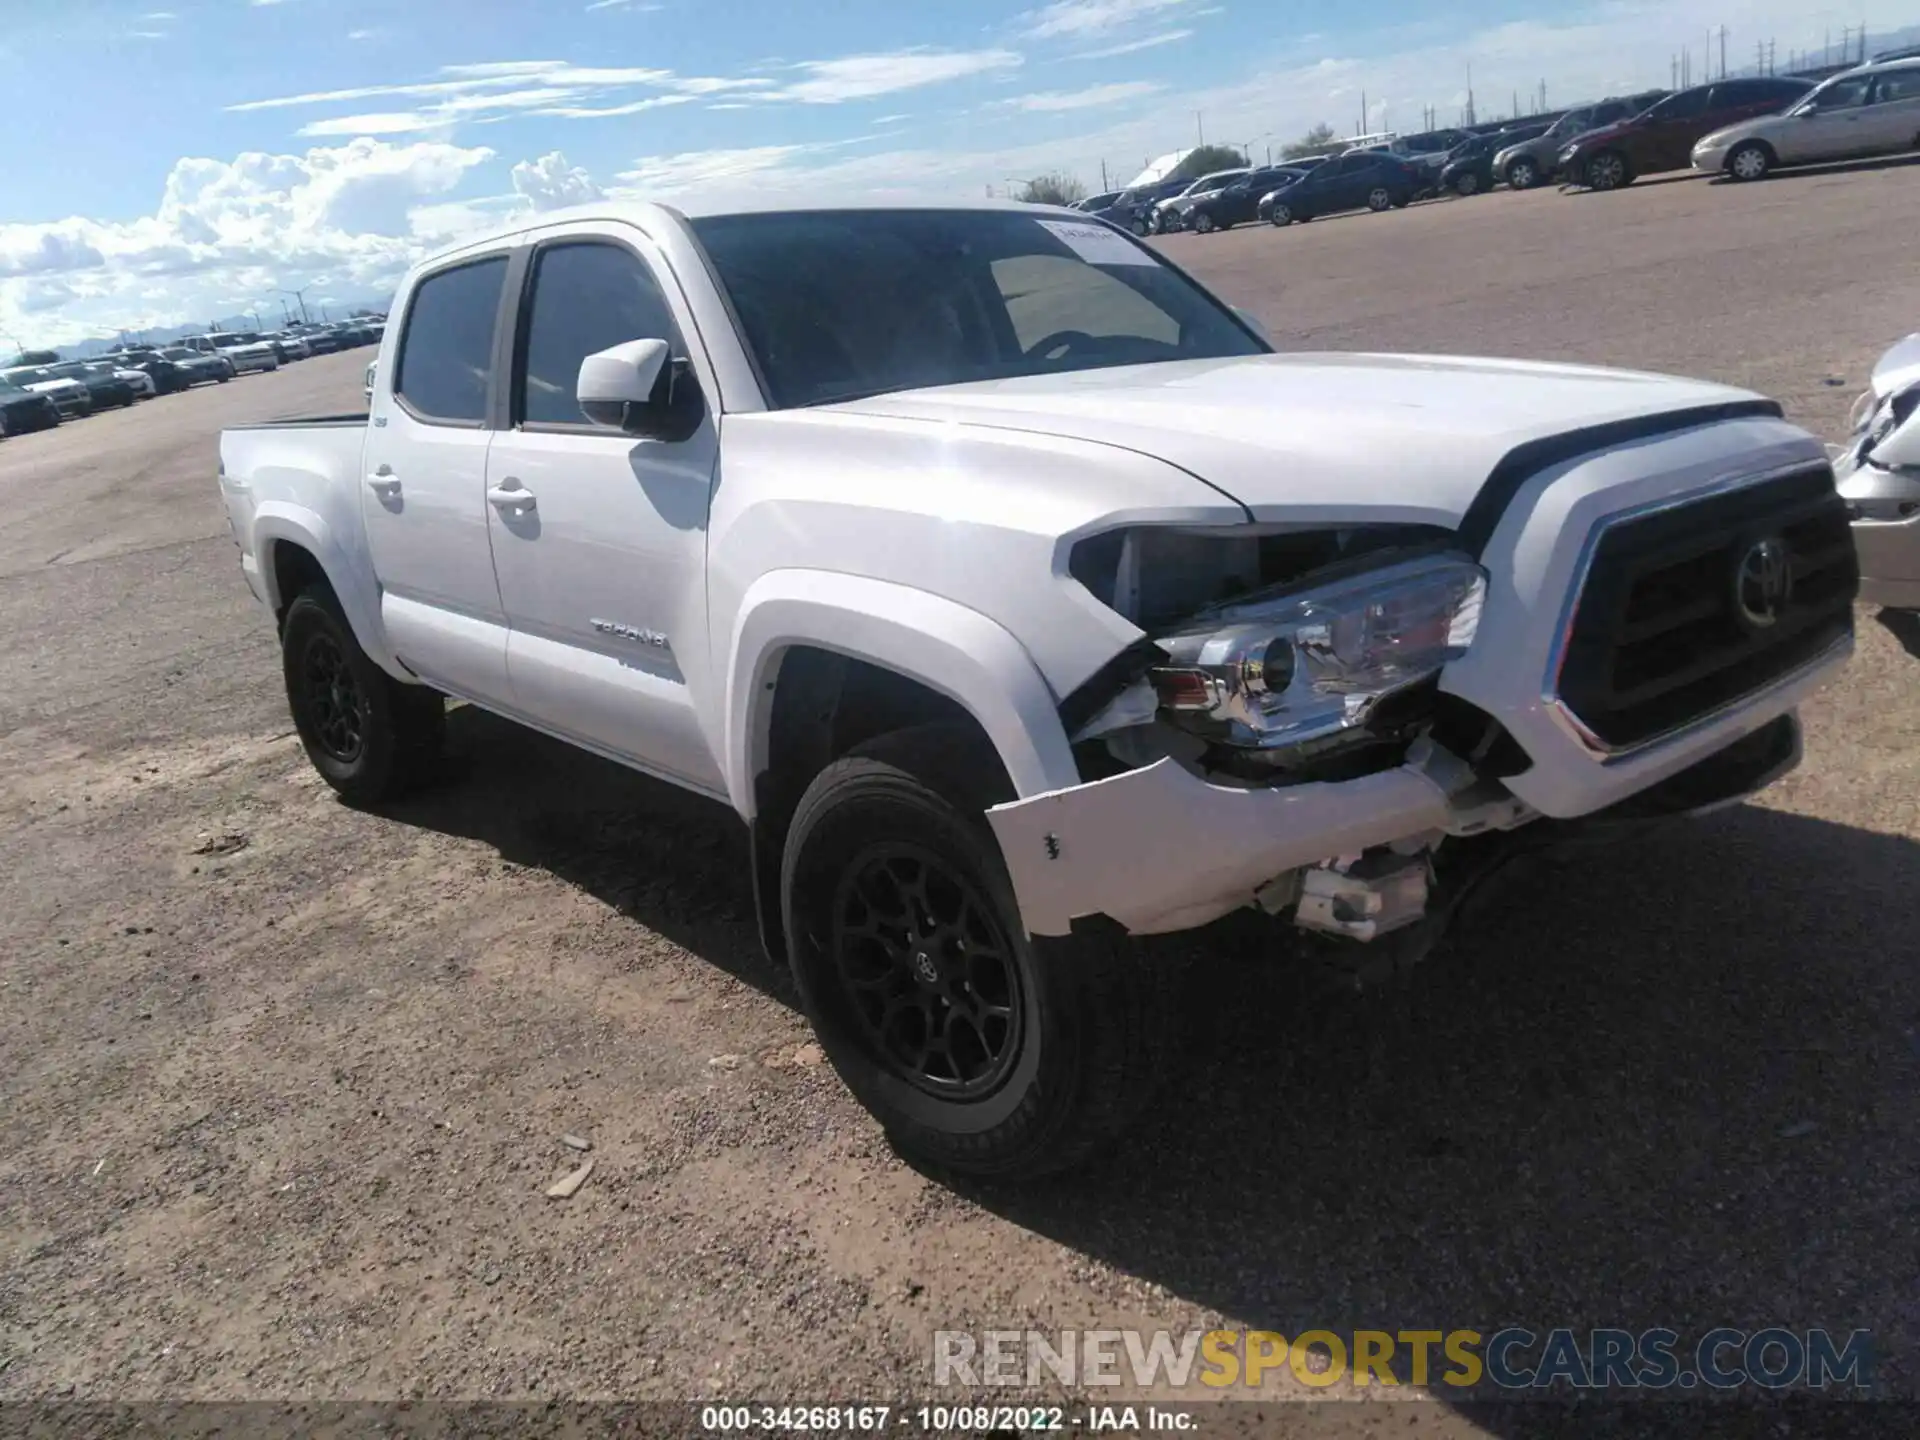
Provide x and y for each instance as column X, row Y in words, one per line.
column 282, row 1083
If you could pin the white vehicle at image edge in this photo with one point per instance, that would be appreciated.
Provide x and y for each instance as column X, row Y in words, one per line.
column 244, row 349
column 1023, row 600
column 1879, row 473
column 1869, row 110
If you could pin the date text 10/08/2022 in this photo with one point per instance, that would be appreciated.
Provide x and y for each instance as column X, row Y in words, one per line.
column 941, row 1419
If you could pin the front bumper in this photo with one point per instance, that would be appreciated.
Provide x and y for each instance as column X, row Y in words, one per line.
column 1711, row 159
column 1886, row 533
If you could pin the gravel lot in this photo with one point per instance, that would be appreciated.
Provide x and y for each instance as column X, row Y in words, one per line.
column 281, row 1083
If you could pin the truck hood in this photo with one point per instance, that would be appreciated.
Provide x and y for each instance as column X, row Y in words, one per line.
column 1401, row 439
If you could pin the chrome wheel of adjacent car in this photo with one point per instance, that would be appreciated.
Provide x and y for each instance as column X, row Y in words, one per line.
column 1750, row 162
column 1523, row 175
column 1380, row 199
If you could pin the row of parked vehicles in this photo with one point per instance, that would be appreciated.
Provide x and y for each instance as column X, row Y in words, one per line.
column 1742, row 129
column 40, row 389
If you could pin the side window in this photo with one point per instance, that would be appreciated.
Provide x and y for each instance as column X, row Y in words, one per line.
column 447, row 350
column 586, row 298
column 1684, row 106
column 1846, row 94
column 1897, row 85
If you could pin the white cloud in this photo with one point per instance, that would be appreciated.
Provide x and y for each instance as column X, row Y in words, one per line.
column 1129, row 47
column 1091, row 17
column 672, row 174
column 861, row 77
column 633, row 7
column 227, row 232
column 632, row 107
column 1092, row 96
column 551, row 183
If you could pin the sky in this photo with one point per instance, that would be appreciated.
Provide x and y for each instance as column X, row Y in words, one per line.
column 177, row 161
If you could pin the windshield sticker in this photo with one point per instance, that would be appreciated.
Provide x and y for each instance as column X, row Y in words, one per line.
column 1096, row 244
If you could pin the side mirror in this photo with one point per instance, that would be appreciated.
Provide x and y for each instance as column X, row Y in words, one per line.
column 615, row 379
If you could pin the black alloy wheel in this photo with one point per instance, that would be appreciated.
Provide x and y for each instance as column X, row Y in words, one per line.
column 927, row 970
column 335, row 702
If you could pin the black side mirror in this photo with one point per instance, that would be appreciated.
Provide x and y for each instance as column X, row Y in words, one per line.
column 675, row 409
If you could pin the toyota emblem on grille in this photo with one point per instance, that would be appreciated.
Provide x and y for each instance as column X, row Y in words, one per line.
column 1763, row 583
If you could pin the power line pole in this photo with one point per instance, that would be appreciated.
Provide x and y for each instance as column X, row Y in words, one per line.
column 1723, row 52
column 1199, row 129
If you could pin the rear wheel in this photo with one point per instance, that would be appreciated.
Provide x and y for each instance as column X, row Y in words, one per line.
column 1466, row 183
column 1750, row 161
column 976, row 1052
column 367, row 734
column 1523, row 174
column 1203, row 224
column 1379, row 198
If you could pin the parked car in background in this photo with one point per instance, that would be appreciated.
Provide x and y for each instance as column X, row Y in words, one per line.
column 289, row 347
column 1356, row 181
column 1134, row 209
column 318, row 341
column 1469, row 165
column 108, row 390
column 243, row 349
column 104, row 368
column 1239, row 203
column 34, row 357
column 1873, row 110
column 73, row 398
column 1527, row 163
column 1171, row 214
column 1094, row 204
column 1879, row 475
column 198, row 367
column 1425, row 154
column 1662, row 136
column 165, row 374
column 24, row 410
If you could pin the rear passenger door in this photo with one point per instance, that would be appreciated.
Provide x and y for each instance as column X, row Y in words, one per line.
column 1893, row 114
column 1665, row 141
column 599, row 536
column 424, row 490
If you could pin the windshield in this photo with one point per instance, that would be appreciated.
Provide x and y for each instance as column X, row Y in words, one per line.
column 67, row 372
column 181, row 354
column 836, row 305
column 33, row 375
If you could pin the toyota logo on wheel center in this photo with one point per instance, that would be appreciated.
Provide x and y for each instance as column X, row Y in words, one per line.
column 1763, row 583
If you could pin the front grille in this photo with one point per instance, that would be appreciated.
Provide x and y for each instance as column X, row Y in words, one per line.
column 1665, row 632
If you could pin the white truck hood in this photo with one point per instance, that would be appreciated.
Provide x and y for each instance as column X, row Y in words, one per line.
column 1406, row 439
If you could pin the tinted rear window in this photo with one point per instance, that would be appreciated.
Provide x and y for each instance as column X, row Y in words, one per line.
column 446, row 354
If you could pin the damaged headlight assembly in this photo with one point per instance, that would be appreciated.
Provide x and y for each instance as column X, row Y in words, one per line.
column 1306, row 668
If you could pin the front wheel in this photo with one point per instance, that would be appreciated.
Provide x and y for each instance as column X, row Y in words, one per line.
column 1280, row 215
column 1609, row 171
column 1750, row 162
column 1523, row 174
column 1203, row 224
column 976, row 1054
column 1379, row 198
column 1140, row 228
column 368, row 735
column 1465, row 184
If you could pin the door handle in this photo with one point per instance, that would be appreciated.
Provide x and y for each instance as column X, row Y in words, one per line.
column 511, row 496
column 384, row 482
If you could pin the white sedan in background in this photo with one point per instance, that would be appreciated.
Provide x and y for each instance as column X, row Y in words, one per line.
column 1869, row 110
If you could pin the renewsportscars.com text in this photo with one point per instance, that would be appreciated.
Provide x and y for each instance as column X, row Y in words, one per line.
column 1512, row 1358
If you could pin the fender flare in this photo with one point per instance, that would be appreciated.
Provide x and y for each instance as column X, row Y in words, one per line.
column 276, row 522
column 952, row 650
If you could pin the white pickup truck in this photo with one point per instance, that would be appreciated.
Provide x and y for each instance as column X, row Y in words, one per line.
column 1022, row 599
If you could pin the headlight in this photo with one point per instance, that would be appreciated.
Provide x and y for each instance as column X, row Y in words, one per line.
column 1566, row 155
column 1309, row 665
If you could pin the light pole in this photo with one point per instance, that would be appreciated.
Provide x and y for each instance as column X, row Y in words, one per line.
column 300, row 296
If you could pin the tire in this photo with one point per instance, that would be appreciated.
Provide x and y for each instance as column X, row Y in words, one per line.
column 1281, row 216
column 1466, row 183
column 1041, row 1060
column 1140, row 228
column 1608, row 170
column 369, row 736
column 1523, row 174
column 1379, row 199
column 1202, row 224
column 1751, row 161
